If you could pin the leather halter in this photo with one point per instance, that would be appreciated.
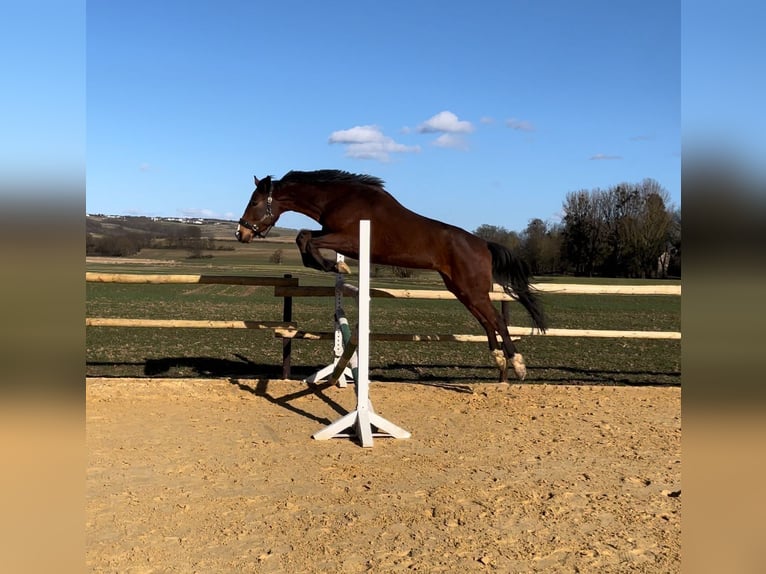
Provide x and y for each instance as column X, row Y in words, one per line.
column 254, row 227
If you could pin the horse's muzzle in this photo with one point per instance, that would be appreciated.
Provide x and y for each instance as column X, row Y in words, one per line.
column 245, row 237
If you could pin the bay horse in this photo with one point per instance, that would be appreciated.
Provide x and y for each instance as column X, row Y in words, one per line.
column 338, row 200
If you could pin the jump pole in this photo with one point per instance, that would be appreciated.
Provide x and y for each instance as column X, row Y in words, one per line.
column 364, row 418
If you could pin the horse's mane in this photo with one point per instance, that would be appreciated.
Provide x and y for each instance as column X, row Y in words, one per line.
column 330, row 176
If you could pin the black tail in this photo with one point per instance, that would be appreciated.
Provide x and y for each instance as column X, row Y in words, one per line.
column 513, row 274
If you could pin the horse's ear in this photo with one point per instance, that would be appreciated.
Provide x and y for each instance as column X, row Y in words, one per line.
column 266, row 181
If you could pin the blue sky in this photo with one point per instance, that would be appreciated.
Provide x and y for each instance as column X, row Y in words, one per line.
column 42, row 101
column 486, row 112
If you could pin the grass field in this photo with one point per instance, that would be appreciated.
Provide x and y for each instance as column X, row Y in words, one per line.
column 206, row 352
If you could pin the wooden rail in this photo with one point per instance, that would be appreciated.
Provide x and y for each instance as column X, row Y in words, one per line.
column 515, row 332
column 496, row 295
column 169, row 279
column 186, row 323
column 288, row 287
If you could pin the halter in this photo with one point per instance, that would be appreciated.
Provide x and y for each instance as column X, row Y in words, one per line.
column 269, row 214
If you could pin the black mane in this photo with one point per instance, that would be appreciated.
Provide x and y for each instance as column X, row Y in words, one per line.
column 330, row 176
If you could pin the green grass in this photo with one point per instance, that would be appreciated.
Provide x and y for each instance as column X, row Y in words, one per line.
column 207, row 352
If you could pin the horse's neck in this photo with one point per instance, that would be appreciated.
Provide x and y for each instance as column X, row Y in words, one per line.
column 309, row 200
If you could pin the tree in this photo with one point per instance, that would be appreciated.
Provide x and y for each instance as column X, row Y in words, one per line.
column 541, row 247
column 276, row 257
column 501, row 235
column 583, row 231
column 191, row 240
column 673, row 267
column 654, row 228
column 618, row 232
column 533, row 240
column 640, row 229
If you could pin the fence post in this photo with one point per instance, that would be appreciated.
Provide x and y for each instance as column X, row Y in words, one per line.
column 287, row 343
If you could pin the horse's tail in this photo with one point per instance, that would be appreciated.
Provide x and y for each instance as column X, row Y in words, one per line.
column 513, row 274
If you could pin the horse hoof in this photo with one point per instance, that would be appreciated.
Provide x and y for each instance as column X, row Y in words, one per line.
column 341, row 267
column 498, row 358
column 519, row 367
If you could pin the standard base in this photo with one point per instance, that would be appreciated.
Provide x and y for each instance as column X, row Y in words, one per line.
column 360, row 423
column 325, row 373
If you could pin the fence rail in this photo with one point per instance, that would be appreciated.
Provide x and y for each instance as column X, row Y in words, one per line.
column 186, row 323
column 517, row 332
column 170, row 279
column 288, row 287
column 496, row 295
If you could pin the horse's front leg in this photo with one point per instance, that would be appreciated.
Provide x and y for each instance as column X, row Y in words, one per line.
column 311, row 255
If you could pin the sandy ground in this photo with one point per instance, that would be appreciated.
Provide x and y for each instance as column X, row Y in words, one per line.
column 223, row 476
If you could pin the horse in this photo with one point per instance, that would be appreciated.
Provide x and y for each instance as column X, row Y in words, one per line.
column 338, row 200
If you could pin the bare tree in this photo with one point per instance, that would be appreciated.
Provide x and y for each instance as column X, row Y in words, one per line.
column 583, row 230
column 620, row 231
column 642, row 227
column 496, row 234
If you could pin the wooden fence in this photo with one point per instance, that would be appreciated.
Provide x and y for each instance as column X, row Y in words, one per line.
column 288, row 287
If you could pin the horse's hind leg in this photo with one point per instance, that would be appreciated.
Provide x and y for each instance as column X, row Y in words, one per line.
column 517, row 360
column 481, row 307
column 506, row 349
column 311, row 255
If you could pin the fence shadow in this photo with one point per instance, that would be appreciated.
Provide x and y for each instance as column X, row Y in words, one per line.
column 639, row 378
column 261, row 389
column 243, row 373
column 448, row 377
column 215, row 367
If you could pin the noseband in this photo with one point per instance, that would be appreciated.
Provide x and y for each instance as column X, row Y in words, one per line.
column 254, row 226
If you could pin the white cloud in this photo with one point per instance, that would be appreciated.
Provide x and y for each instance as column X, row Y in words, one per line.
column 451, row 141
column 356, row 135
column 378, row 150
column 520, row 125
column 369, row 142
column 601, row 156
column 445, row 122
column 487, row 120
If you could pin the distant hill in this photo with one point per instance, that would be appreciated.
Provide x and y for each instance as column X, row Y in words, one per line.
column 124, row 235
column 159, row 227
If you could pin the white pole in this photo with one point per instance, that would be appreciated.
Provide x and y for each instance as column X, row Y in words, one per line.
column 363, row 423
column 363, row 351
column 364, row 417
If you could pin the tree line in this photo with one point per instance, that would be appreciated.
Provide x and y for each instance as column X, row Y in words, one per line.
column 123, row 241
column 627, row 230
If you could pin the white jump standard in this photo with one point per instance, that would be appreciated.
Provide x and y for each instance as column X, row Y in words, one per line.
column 364, row 418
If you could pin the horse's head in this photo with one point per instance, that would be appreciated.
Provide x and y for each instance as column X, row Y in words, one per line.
column 259, row 216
